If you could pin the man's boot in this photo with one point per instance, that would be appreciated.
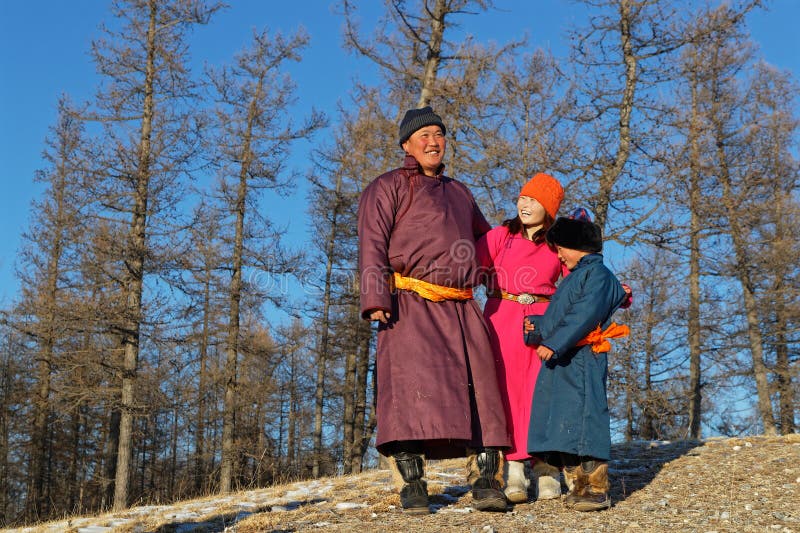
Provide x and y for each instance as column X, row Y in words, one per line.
column 516, row 483
column 576, row 480
column 486, row 488
column 546, row 480
column 594, row 494
column 414, row 494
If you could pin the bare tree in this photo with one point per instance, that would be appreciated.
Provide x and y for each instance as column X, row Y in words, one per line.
column 726, row 57
column 254, row 136
column 143, row 67
column 54, row 232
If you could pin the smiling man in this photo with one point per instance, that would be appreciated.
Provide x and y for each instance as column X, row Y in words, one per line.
column 438, row 394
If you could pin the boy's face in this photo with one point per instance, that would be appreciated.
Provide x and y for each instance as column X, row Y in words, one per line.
column 569, row 257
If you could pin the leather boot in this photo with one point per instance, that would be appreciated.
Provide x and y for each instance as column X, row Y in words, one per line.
column 594, row 493
column 516, row 483
column 414, row 494
column 546, row 480
column 575, row 480
column 486, row 489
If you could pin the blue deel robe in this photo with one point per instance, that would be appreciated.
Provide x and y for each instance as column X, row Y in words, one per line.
column 570, row 408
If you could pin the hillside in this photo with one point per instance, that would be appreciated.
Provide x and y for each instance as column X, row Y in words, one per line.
column 714, row 485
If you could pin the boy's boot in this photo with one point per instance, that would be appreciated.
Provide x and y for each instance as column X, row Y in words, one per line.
column 576, row 480
column 484, row 470
column 516, row 483
column 546, row 480
column 414, row 494
column 594, row 494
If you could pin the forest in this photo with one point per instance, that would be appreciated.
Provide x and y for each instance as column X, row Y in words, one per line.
column 141, row 360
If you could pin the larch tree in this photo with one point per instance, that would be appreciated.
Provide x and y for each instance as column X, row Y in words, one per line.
column 774, row 169
column 252, row 139
column 143, row 105
column 56, row 227
column 728, row 54
column 619, row 60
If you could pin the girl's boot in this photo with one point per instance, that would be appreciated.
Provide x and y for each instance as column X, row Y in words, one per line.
column 546, row 480
column 516, row 483
column 485, row 473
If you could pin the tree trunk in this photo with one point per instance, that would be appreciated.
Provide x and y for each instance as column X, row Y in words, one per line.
column 324, row 328
column 647, row 427
column 137, row 247
column 232, row 351
column 348, row 422
column 200, row 431
column 611, row 172
column 433, row 58
column 362, row 427
column 742, row 273
column 693, row 313
column 110, row 458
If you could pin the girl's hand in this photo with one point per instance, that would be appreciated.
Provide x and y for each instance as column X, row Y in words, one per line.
column 527, row 326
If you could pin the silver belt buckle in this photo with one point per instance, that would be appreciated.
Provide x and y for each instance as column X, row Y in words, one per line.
column 526, row 299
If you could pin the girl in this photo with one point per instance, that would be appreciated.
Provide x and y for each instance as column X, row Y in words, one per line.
column 522, row 270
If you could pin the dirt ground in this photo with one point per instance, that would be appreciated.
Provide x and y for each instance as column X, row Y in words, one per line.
column 715, row 485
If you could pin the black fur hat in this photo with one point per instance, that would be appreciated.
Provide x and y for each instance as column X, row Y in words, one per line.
column 415, row 119
column 576, row 232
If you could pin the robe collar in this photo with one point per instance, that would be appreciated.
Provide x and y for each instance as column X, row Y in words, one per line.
column 411, row 163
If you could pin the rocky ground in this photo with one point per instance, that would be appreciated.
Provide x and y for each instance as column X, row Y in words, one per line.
column 715, row 485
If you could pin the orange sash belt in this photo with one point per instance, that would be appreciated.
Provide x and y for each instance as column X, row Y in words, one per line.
column 429, row 291
column 599, row 339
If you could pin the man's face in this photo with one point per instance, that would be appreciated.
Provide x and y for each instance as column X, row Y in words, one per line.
column 427, row 145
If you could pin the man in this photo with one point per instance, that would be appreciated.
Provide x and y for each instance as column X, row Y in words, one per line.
column 438, row 393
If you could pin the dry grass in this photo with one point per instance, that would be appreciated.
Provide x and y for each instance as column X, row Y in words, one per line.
column 745, row 484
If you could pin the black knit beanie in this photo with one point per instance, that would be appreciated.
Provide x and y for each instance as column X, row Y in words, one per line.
column 576, row 232
column 415, row 119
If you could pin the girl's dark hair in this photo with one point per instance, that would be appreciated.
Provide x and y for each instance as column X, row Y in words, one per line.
column 514, row 226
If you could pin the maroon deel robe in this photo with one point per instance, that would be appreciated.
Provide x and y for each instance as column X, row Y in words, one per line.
column 436, row 373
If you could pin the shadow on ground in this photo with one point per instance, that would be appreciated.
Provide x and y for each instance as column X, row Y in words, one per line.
column 218, row 523
column 634, row 465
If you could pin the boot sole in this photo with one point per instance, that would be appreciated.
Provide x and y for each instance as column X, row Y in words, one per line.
column 587, row 506
column 491, row 504
column 417, row 511
column 517, row 496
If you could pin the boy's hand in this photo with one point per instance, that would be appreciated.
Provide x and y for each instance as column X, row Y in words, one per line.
column 544, row 352
column 527, row 326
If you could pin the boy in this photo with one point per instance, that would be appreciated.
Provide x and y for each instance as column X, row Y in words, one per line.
column 570, row 424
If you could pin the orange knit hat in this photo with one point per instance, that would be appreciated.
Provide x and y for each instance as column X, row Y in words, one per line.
column 546, row 190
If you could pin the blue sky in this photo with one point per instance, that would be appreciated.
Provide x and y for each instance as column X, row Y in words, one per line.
column 44, row 53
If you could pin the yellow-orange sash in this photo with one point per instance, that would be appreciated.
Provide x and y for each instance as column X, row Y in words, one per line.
column 599, row 339
column 429, row 291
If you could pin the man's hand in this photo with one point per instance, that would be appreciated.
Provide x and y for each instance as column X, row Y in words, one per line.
column 380, row 314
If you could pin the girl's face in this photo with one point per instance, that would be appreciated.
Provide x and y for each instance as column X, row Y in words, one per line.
column 530, row 211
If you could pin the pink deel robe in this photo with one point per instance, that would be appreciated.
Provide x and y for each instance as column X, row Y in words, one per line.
column 516, row 265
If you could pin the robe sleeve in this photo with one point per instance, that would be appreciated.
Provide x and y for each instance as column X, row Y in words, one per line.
column 376, row 210
column 480, row 226
column 486, row 250
column 588, row 303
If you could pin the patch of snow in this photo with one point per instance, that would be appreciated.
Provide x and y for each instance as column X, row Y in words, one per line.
column 457, row 510
column 350, row 505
